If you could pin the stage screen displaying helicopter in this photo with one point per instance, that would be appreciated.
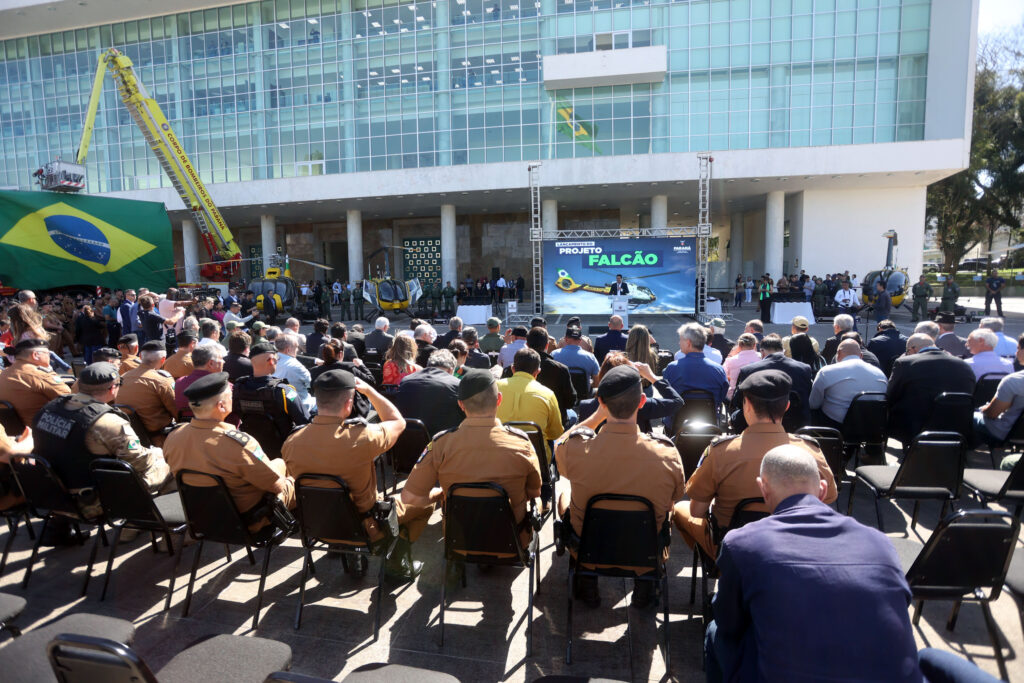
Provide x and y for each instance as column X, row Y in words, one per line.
column 660, row 273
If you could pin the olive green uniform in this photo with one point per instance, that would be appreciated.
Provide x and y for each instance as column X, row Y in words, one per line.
column 492, row 341
column 950, row 293
column 357, row 302
column 820, row 296
column 448, row 294
column 435, row 297
column 325, row 303
column 921, row 292
column 345, row 298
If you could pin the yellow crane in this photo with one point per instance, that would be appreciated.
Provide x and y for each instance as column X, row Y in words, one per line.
column 70, row 177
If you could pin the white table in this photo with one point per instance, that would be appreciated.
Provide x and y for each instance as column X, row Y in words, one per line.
column 474, row 315
column 783, row 312
column 713, row 307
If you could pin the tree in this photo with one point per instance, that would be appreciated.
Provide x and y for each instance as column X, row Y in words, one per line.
column 971, row 205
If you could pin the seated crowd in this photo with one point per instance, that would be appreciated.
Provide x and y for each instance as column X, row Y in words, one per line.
column 263, row 407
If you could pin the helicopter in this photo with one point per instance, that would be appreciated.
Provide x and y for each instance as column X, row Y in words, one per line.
column 896, row 280
column 639, row 295
column 387, row 293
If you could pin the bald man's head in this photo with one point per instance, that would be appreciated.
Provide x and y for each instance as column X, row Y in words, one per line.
column 790, row 470
column 615, row 323
column 848, row 347
column 918, row 341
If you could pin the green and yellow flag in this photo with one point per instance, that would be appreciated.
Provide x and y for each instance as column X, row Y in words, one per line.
column 582, row 132
column 55, row 240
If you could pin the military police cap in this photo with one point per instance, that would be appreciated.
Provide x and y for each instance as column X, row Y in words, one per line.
column 185, row 338
column 946, row 318
column 258, row 325
column 767, row 385
column 335, row 380
column 573, row 333
column 107, row 352
column 231, row 324
column 493, row 322
column 26, row 344
column 154, row 345
column 473, row 382
column 619, row 379
column 128, row 340
column 98, row 374
column 207, row 386
column 717, row 322
column 261, row 348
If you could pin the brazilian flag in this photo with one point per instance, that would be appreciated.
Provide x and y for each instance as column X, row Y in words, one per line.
column 568, row 124
column 55, row 240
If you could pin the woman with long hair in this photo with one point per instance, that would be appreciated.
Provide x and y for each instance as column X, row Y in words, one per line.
column 398, row 362
column 640, row 346
column 26, row 323
column 802, row 348
column 460, row 350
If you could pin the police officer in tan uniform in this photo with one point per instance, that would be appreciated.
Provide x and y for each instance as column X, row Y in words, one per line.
column 149, row 390
column 128, row 345
column 180, row 364
column 480, row 449
column 314, row 449
column 728, row 470
column 208, row 444
column 620, row 459
column 29, row 383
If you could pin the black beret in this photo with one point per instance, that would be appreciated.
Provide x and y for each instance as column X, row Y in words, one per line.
column 619, row 379
column 573, row 333
column 128, row 340
column 154, row 345
column 574, row 321
column 767, row 385
column 946, row 318
column 519, row 331
column 261, row 348
column 207, row 386
column 26, row 344
column 473, row 382
column 108, row 352
column 335, row 380
column 538, row 322
column 98, row 374
column 185, row 338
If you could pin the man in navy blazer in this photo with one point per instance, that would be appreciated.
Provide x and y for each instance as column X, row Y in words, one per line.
column 613, row 340
column 888, row 345
column 803, row 588
column 800, row 373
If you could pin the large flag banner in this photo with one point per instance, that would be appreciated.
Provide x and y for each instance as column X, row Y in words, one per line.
column 573, row 127
column 54, row 240
column 660, row 274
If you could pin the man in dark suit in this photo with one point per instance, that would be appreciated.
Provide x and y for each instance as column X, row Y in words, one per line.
column 620, row 288
column 424, row 346
column 379, row 339
column 867, row 356
column 476, row 358
column 799, row 373
column 786, row 579
column 432, row 394
column 356, row 338
column 917, row 378
column 554, row 375
column 841, row 324
column 948, row 340
column 454, row 332
column 718, row 340
column 888, row 345
column 612, row 340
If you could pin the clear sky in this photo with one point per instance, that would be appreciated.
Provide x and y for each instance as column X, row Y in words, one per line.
column 998, row 15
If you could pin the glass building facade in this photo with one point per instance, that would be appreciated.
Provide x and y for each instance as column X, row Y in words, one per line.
column 287, row 88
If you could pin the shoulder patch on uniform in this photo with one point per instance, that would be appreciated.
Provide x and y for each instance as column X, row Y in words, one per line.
column 289, row 392
column 516, row 431
column 445, row 431
column 356, row 421
column 240, row 437
column 164, row 373
column 583, row 433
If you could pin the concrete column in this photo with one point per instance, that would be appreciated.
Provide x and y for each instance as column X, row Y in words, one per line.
column 736, row 246
column 659, row 211
column 774, row 218
column 354, row 219
column 268, row 238
column 190, row 242
column 549, row 216
column 449, row 261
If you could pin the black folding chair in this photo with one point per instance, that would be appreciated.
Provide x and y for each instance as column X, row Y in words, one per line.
column 830, row 441
column 932, row 469
column 691, row 443
column 997, row 486
column 212, row 516
column 985, row 388
column 865, row 424
column 952, row 411
column 87, row 659
column 10, row 420
column 127, row 503
column 329, row 521
column 548, row 471
column 480, row 528
column 969, row 551
column 47, row 498
column 742, row 514
column 407, row 450
column 621, row 531
column 699, row 406
column 12, row 515
column 581, row 383
column 136, row 422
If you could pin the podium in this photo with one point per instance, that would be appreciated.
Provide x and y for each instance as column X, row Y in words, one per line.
column 620, row 307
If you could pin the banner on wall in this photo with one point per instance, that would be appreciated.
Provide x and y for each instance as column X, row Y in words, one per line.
column 659, row 272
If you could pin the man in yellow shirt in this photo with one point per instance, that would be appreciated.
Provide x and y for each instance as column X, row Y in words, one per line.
column 524, row 399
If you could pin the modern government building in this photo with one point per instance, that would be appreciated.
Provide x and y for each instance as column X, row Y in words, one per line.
column 327, row 129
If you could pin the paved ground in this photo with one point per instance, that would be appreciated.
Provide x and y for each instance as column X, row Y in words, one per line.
column 485, row 638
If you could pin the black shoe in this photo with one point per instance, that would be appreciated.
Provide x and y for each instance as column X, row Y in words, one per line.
column 586, row 590
column 401, row 565
column 356, row 567
column 59, row 533
column 645, row 594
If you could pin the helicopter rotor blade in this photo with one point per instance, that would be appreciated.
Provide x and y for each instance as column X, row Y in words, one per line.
column 637, row 277
column 311, row 263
